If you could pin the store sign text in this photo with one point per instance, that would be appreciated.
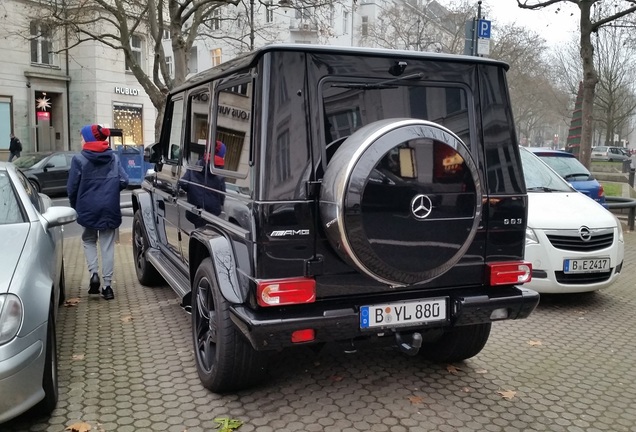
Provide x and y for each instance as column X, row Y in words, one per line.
column 126, row 91
column 234, row 112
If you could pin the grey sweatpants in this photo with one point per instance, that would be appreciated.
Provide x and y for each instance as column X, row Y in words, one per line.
column 107, row 246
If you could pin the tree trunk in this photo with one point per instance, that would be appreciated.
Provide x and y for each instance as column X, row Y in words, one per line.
column 590, row 78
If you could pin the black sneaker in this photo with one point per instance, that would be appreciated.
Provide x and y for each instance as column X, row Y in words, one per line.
column 108, row 293
column 94, row 284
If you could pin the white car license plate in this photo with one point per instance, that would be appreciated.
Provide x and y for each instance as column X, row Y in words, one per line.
column 401, row 314
column 587, row 265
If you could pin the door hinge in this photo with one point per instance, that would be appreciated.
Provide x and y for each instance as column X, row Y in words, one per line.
column 314, row 266
column 312, row 188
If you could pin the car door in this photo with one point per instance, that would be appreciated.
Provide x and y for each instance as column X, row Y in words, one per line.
column 166, row 181
column 54, row 174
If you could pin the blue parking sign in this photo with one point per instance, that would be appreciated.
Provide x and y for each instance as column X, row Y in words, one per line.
column 483, row 29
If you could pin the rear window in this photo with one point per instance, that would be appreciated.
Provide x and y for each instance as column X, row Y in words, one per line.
column 10, row 210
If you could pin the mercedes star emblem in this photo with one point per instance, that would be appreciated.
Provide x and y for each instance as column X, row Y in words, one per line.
column 421, row 206
column 585, row 233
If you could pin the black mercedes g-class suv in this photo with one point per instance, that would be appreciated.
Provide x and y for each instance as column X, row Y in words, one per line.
column 305, row 194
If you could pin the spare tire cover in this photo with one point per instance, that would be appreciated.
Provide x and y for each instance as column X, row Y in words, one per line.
column 401, row 200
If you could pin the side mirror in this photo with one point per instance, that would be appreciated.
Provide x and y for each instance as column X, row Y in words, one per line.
column 47, row 166
column 152, row 154
column 56, row 216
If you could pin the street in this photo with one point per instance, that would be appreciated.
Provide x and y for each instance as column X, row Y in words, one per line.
column 127, row 365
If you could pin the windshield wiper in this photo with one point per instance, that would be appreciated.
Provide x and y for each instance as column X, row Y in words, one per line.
column 544, row 189
column 379, row 85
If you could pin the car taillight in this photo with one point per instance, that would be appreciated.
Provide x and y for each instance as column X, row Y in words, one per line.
column 509, row 273
column 280, row 292
column 601, row 191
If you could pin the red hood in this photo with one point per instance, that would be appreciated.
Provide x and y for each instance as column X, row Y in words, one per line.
column 96, row 146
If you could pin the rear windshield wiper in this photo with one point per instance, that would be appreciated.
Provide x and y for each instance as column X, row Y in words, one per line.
column 381, row 84
column 575, row 175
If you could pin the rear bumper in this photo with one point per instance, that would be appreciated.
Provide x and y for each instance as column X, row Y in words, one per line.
column 271, row 329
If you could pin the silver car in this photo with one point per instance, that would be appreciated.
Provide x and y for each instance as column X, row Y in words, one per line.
column 31, row 288
column 607, row 153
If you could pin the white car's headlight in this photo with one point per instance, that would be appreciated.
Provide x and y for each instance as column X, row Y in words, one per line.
column 10, row 317
column 620, row 230
column 531, row 237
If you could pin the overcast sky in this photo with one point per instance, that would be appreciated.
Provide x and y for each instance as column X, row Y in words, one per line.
column 553, row 27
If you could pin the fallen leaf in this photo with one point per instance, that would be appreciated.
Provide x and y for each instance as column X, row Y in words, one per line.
column 466, row 389
column 78, row 357
column 127, row 318
column 507, row 394
column 226, row 424
column 481, row 371
column 453, row 369
column 337, row 378
column 71, row 302
column 415, row 400
column 534, row 343
column 79, row 427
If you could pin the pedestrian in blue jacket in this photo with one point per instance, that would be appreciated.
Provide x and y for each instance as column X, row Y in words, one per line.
column 95, row 180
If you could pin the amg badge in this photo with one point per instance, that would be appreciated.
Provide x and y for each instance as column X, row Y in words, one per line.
column 287, row 233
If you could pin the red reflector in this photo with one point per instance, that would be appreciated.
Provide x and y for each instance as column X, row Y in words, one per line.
column 306, row 335
column 510, row 273
column 280, row 292
column 601, row 191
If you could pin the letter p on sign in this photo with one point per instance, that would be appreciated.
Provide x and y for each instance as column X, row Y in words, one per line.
column 483, row 29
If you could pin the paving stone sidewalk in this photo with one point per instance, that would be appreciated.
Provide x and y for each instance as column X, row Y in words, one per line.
column 127, row 365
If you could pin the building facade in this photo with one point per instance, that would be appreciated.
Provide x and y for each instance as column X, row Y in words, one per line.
column 48, row 94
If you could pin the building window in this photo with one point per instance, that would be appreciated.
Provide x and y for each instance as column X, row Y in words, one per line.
column 269, row 12
column 170, row 66
column 166, row 35
column 216, row 19
column 135, row 46
column 240, row 89
column 193, row 62
column 129, row 118
column 303, row 13
column 332, row 16
column 345, row 22
column 216, row 55
column 41, row 44
column 6, row 123
column 365, row 26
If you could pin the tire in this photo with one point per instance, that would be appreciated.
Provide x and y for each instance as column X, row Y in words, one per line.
column 62, row 286
column 401, row 200
column 225, row 361
column 457, row 344
column 49, row 378
column 147, row 274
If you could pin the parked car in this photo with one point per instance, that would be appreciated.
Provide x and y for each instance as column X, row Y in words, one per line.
column 574, row 244
column 31, row 288
column 611, row 154
column 317, row 138
column 572, row 171
column 47, row 172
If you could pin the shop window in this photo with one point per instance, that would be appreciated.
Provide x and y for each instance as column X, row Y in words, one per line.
column 136, row 45
column 41, row 44
column 129, row 118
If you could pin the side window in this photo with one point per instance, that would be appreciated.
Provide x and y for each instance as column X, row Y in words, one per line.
column 233, row 132
column 32, row 193
column 58, row 161
column 176, row 126
column 199, row 102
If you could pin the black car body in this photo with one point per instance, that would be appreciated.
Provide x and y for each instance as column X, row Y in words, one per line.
column 376, row 194
column 47, row 172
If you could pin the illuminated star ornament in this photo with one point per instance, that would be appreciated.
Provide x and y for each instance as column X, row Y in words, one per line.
column 43, row 103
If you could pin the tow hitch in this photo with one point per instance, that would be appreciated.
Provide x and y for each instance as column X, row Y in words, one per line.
column 412, row 348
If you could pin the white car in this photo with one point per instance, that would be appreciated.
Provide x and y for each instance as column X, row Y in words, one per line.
column 574, row 244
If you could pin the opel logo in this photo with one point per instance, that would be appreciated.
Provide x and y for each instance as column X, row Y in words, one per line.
column 585, row 233
column 421, row 206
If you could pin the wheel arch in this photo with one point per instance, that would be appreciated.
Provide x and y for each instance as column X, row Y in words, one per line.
column 212, row 243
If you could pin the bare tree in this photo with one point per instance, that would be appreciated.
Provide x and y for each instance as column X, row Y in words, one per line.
column 589, row 23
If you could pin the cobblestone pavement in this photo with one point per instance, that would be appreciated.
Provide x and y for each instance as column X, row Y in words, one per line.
column 127, row 365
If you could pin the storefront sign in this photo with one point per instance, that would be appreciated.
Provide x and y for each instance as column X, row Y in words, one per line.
column 126, row 91
column 43, row 115
column 236, row 113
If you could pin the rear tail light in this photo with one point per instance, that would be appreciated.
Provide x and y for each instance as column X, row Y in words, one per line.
column 280, row 292
column 601, row 191
column 509, row 273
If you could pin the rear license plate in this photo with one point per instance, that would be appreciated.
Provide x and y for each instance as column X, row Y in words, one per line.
column 587, row 265
column 403, row 314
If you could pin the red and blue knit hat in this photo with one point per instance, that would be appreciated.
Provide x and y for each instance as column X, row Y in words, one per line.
column 219, row 154
column 94, row 132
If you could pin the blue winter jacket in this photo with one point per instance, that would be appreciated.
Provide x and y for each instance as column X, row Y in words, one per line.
column 94, row 182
